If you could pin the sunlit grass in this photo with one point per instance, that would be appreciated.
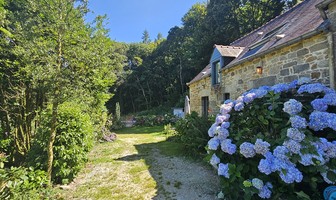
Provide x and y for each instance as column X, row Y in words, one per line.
column 120, row 169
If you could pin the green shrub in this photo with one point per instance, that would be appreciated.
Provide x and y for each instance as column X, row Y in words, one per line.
column 192, row 131
column 74, row 138
column 155, row 120
column 276, row 142
column 22, row 183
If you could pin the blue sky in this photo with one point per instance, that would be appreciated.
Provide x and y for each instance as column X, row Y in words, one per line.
column 129, row 18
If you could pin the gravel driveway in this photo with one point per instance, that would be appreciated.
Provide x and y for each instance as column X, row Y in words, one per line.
column 133, row 167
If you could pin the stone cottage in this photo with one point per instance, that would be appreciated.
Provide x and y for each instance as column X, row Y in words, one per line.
column 298, row 43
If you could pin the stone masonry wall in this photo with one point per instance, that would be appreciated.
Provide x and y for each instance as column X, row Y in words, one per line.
column 307, row 58
column 201, row 89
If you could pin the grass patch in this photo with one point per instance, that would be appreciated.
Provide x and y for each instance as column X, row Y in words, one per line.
column 141, row 130
column 170, row 148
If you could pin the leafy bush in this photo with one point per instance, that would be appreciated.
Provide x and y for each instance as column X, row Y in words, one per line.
column 22, row 183
column 74, row 138
column 276, row 142
column 155, row 120
column 192, row 132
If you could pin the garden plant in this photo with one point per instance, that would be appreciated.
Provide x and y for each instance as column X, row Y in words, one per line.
column 276, row 142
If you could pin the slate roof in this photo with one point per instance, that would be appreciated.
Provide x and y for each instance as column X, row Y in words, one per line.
column 297, row 23
column 204, row 73
column 229, row 51
column 301, row 20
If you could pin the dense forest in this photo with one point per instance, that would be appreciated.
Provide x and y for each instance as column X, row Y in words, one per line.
column 58, row 73
column 157, row 71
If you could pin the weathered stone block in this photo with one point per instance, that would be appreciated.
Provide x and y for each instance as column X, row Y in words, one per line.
column 320, row 46
column 240, row 81
column 288, row 79
column 290, row 64
column 315, row 75
column 270, row 80
column 284, row 72
column 302, row 52
column 300, row 68
column 297, row 47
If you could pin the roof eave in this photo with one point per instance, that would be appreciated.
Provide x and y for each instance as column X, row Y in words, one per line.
column 203, row 77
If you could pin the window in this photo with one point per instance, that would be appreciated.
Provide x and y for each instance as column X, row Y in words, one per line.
column 226, row 96
column 215, row 73
column 205, row 106
column 253, row 50
column 258, row 45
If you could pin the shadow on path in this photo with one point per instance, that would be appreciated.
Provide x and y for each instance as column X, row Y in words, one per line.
column 176, row 177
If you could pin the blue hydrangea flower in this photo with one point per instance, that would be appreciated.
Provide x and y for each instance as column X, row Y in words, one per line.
column 307, row 159
column 260, row 92
column 293, row 146
column 295, row 134
column 248, row 98
column 330, row 98
column 281, row 152
column 321, row 120
column 247, row 150
column 281, row 87
column 261, row 147
column 292, row 107
column 271, row 164
column 212, row 130
column 265, row 192
column 326, row 179
column 304, row 80
column 214, row 160
column 298, row 122
column 239, row 106
column 223, row 170
column 331, row 151
column 312, row 88
column 225, row 125
column 291, row 174
column 240, row 99
column 320, row 104
column 228, row 147
column 226, row 108
column 223, row 133
column 222, row 118
column 213, row 144
column 257, row 183
column 269, row 185
column 293, row 84
column 228, row 101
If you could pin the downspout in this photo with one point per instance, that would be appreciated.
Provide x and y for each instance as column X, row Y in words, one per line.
column 331, row 42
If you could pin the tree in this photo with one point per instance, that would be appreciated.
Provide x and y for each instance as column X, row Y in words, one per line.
column 145, row 37
column 54, row 58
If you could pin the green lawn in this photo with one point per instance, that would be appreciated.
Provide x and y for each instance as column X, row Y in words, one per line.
column 122, row 169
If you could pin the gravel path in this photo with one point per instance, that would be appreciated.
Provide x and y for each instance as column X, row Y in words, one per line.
column 183, row 179
column 134, row 168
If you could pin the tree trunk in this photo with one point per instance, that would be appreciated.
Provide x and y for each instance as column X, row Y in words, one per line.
column 51, row 141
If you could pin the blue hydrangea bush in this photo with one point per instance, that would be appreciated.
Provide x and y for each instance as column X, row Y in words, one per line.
column 276, row 142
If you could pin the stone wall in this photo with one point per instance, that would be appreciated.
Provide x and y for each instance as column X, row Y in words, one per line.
column 201, row 89
column 307, row 58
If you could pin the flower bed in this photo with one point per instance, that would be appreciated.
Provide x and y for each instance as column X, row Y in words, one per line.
column 276, row 142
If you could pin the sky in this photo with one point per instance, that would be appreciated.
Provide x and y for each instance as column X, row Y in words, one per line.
column 128, row 19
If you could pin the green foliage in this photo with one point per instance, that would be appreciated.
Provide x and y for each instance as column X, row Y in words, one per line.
column 266, row 119
column 22, row 183
column 155, row 120
column 192, row 132
column 157, row 72
column 169, row 131
column 74, row 138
